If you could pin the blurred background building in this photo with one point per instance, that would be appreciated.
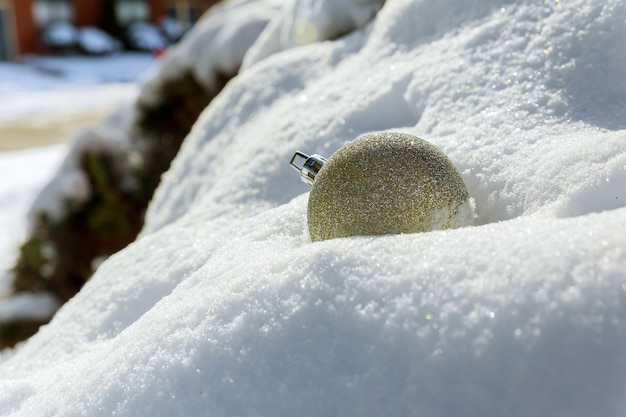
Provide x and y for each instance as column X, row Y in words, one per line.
column 36, row 26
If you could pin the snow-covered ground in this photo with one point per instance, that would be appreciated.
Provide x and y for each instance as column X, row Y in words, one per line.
column 225, row 307
column 44, row 86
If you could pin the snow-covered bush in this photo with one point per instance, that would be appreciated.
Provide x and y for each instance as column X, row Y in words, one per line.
column 96, row 210
column 302, row 22
column 95, row 204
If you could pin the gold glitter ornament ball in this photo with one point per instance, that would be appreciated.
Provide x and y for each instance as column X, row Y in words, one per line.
column 384, row 183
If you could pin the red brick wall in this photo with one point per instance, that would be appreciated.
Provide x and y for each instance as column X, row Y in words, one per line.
column 25, row 27
column 88, row 12
column 157, row 10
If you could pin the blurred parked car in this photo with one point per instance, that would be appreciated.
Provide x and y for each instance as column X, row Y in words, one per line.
column 94, row 41
column 172, row 29
column 142, row 36
column 59, row 37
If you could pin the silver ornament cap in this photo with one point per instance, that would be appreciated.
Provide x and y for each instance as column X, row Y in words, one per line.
column 309, row 168
column 383, row 183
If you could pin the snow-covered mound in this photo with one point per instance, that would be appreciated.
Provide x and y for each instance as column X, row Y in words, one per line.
column 218, row 43
column 224, row 307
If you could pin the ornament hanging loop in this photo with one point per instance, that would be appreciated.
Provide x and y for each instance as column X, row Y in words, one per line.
column 309, row 168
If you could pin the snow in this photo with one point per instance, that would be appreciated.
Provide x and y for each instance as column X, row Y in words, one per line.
column 222, row 38
column 29, row 306
column 224, row 307
column 70, row 181
column 45, row 86
column 23, row 173
column 302, row 22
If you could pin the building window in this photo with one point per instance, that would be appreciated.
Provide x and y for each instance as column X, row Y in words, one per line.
column 5, row 47
column 48, row 11
column 128, row 11
column 193, row 14
column 185, row 13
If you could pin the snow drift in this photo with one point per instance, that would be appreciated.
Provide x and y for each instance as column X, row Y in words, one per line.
column 224, row 307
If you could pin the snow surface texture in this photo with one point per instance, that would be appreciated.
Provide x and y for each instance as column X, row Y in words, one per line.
column 224, row 307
